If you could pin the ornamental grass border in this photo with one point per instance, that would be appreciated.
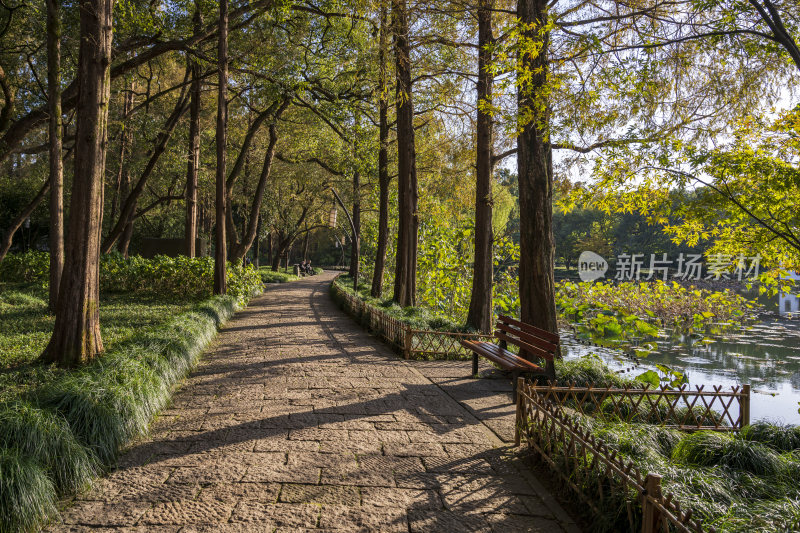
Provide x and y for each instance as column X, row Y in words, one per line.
column 546, row 421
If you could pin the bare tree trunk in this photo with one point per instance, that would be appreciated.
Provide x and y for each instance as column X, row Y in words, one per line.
column 257, row 244
column 269, row 250
column 277, row 256
column 355, row 249
column 405, row 282
column 193, row 164
column 76, row 334
column 305, row 244
column 124, row 244
column 479, row 315
column 56, row 233
column 220, row 268
column 537, row 249
column 8, row 237
column 383, row 163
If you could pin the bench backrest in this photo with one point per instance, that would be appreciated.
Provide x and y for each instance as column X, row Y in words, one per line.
column 529, row 338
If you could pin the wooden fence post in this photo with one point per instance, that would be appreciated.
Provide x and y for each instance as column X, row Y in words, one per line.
column 407, row 338
column 744, row 405
column 520, row 411
column 650, row 514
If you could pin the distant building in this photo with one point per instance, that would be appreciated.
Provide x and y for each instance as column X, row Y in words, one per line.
column 790, row 303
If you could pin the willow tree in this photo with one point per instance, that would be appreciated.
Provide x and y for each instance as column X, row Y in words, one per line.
column 76, row 333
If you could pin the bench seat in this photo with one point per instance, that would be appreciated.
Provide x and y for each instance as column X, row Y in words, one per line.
column 531, row 341
column 504, row 358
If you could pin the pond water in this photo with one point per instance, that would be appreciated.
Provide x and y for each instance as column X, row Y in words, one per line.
column 766, row 355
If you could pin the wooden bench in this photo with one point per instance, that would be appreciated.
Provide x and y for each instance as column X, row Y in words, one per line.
column 529, row 339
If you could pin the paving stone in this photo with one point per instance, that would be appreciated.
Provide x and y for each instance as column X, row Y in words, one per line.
column 342, row 518
column 276, row 514
column 403, row 498
column 446, row 522
column 330, row 494
column 509, row 523
column 234, row 492
column 104, row 514
column 184, row 512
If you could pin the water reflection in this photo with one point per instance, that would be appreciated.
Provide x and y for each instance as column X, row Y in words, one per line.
column 765, row 355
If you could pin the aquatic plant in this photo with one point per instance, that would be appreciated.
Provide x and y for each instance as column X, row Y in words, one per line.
column 639, row 309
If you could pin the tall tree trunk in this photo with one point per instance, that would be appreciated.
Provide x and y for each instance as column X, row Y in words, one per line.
column 220, row 270
column 193, row 164
column 124, row 244
column 405, row 282
column 277, row 257
column 8, row 237
column 355, row 249
column 257, row 244
column 269, row 249
column 56, row 233
column 76, row 333
column 534, row 158
column 383, row 162
column 479, row 315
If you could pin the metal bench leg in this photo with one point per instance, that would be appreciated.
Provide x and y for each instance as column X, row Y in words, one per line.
column 474, row 364
column 514, row 378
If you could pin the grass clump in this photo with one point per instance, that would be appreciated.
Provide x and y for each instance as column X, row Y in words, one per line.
column 731, row 483
column 780, row 437
column 46, row 438
column 27, row 495
column 585, row 371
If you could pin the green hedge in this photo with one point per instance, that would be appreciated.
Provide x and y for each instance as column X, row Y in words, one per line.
column 61, row 434
column 162, row 275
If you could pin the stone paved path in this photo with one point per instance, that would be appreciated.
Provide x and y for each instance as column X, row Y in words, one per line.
column 297, row 419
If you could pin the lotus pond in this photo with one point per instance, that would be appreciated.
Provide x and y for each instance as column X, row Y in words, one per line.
column 763, row 352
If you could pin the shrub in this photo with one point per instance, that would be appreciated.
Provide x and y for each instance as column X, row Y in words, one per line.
column 162, row 275
column 632, row 310
column 26, row 267
column 270, row 276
